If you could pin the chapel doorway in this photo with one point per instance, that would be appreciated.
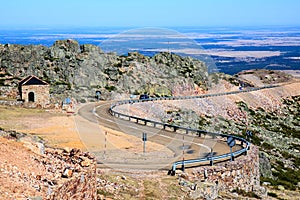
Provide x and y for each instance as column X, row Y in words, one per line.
column 31, row 96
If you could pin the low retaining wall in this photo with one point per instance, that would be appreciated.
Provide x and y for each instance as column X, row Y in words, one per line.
column 243, row 173
column 11, row 103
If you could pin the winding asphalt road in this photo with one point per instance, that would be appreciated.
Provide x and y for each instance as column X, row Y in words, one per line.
column 182, row 146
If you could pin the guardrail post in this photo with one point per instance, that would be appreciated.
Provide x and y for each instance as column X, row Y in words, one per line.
column 186, row 131
column 205, row 174
column 172, row 172
column 182, row 166
column 211, row 162
column 231, row 155
column 164, row 127
column 199, row 134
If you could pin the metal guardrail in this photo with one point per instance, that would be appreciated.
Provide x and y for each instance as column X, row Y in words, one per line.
column 244, row 143
column 211, row 159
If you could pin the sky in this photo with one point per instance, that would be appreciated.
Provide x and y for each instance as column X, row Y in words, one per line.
column 145, row 13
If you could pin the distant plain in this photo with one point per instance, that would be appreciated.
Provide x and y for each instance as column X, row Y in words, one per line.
column 232, row 49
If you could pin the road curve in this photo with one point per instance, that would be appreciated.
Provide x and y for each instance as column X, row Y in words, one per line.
column 183, row 146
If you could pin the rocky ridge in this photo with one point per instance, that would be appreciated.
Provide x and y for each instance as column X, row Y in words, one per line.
column 80, row 70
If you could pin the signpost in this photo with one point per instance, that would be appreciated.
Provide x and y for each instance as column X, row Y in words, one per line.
column 98, row 93
column 211, row 162
column 249, row 135
column 105, row 143
column 144, row 138
column 231, row 143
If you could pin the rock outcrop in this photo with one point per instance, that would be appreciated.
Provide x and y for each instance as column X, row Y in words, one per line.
column 80, row 70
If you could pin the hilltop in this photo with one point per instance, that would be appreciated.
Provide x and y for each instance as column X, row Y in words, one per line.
column 79, row 70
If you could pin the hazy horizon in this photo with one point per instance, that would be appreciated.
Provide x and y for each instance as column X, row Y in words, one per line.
column 154, row 13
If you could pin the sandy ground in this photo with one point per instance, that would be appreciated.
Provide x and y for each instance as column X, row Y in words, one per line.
column 58, row 131
column 62, row 130
column 96, row 137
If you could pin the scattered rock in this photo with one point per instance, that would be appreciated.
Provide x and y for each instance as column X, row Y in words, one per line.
column 184, row 176
column 67, row 173
column 266, row 183
column 67, row 149
column 85, row 163
column 280, row 187
column 28, row 173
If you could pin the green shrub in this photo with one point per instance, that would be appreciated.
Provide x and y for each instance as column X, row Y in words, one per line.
column 267, row 146
column 110, row 88
column 286, row 177
column 271, row 194
column 82, row 101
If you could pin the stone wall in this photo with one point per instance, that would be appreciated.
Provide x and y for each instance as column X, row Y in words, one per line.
column 11, row 103
column 242, row 174
column 7, row 92
column 41, row 94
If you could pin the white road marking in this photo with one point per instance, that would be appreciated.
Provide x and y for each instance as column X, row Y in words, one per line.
column 133, row 127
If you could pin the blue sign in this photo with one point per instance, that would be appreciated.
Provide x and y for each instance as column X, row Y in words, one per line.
column 144, row 138
column 230, row 141
column 67, row 100
column 249, row 133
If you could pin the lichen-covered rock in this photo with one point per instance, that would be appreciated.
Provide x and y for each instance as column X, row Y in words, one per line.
column 79, row 71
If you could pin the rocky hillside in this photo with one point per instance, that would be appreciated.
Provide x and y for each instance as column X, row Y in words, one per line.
column 79, row 70
column 30, row 170
column 272, row 115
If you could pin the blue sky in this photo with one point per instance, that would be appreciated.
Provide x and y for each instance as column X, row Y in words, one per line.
column 141, row 13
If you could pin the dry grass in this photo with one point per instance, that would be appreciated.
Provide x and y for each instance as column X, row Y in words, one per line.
column 60, row 130
column 57, row 129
